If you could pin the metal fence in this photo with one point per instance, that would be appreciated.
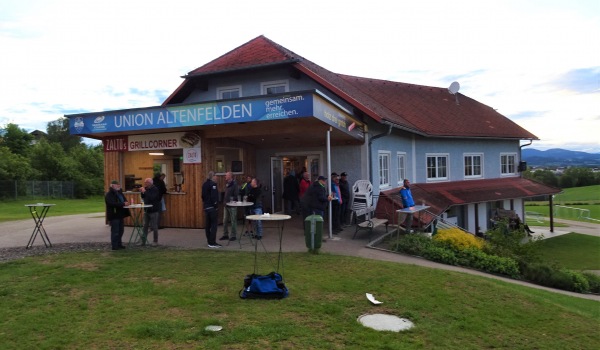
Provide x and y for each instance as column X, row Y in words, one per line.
column 36, row 189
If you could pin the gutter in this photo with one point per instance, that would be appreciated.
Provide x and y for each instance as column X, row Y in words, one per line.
column 371, row 139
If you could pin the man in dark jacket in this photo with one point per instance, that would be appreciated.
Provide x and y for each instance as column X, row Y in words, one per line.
column 290, row 193
column 230, row 213
column 345, row 189
column 150, row 196
column 255, row 196
column 159, row 181
column 316, row 197
column 115, row 213
column 210, row 201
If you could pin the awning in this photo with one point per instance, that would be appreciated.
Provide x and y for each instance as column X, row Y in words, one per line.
column 442, row 195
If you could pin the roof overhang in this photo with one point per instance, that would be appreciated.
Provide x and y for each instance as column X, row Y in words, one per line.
column 443, row 195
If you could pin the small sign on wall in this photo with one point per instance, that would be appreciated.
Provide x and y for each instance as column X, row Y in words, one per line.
column 192, row 155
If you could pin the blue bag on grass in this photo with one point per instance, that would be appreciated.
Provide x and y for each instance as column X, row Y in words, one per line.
column 269, row 286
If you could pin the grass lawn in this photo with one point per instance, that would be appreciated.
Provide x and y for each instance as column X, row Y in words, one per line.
column 163, row 299
column 579, row 194
column 574, row 251
column 16, row 210
column 561, row 213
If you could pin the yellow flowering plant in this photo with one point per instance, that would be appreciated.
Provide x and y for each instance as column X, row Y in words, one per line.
column 459, row 239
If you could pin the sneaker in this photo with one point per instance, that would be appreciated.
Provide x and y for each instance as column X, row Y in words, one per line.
column 232, row 239
column 258, row 238
column 216, row 245
column 224, row 238
column 154, row 244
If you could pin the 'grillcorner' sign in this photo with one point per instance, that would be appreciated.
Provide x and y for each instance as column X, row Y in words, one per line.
column 151, row 142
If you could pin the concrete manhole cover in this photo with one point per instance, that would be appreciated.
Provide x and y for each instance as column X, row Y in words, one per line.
column 382, row 322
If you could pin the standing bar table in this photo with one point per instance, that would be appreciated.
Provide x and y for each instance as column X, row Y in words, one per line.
column 279, row 219
column 137, row 217
column 229, row 206
column 38, row 218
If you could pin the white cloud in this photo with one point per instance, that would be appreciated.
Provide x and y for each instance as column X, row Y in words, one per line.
column 66, row 55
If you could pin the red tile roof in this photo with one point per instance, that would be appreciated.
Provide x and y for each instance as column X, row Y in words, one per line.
column 442, row 195
column 429, row 111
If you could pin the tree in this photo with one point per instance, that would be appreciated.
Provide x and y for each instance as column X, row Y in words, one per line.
column 14, row 166
column 58, row 131
column 17, row 140
column 546, row 177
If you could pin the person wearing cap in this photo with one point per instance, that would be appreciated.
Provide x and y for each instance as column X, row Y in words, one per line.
column 115, row 213
column 345, row 190
column 336, row 203
column 316, row 197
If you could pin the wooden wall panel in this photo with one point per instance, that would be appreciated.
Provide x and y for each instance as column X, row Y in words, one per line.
column 184, row 210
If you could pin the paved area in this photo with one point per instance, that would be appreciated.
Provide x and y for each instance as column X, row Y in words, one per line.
column 92, row 228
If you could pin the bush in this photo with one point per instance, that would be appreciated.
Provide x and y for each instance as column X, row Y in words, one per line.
column 441, row 255
column 459, row 239
column 511, row 244
column 555, row 277
column 489, row 263
column 412, row 244
column 594, row 282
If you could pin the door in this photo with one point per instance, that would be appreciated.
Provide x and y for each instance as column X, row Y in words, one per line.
column 277, row 184
column 313, row 164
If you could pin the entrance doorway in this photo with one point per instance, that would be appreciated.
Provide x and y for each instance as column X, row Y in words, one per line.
column 296, row 162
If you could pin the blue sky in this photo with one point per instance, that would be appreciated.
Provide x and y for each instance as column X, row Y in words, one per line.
column 536, row 62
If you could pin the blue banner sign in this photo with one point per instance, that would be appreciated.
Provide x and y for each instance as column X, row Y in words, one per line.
column 300, row 105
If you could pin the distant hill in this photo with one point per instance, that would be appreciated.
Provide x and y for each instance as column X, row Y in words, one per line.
column 559, row 157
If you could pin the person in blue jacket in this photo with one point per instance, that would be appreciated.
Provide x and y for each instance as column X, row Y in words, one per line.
column 407, row 203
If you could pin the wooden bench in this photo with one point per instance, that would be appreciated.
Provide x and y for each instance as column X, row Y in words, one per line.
column 364, row 220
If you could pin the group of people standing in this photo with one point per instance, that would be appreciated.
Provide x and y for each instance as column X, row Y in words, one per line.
column 152, row 194
column 251, row 190
column 306, row 198
column 300, row 196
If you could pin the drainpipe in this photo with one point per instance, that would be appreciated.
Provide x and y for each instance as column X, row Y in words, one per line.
column 371, row 139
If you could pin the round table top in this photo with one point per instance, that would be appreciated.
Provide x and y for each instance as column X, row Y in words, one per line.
column 133, row 206
column 239, row 204
column 39, row 205
column 271, row 217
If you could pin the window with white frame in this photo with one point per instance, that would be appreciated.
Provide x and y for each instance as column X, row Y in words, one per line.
column 473, row 165
column 384, row 169
column 401, row 158
column 437, row 167
column 508, row 163
column 274, row 87
column 227, row 92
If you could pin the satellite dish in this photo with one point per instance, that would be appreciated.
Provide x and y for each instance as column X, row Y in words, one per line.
column 454, row 87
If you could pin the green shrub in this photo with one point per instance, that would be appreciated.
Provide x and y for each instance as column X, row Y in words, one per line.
column 555, row 277
column 412, row 244
column 594, row 282
column 489, row 263
column 510, row 244
column 441, row 255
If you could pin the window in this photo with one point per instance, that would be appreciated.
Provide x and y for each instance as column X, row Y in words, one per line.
column 274, row 87
column 401, row 167
column 473, row 165
column 508, row 163
column 227, row 92
column 437, row 167
column 384, row 169
column 228, row 159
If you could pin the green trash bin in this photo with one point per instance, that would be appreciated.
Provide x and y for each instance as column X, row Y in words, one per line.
column 313, row 232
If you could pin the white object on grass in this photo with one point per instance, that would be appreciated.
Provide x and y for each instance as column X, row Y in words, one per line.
column 213, row 328
column 372, row 299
